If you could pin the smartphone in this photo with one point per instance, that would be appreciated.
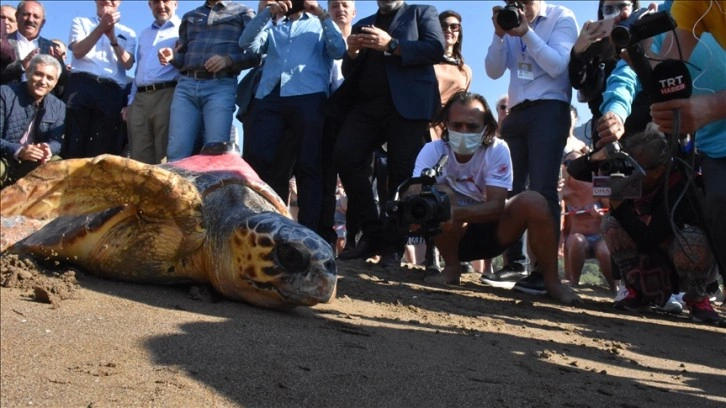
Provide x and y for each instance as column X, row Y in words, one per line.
column 356, row 30
column 297, row 5
column 602, row 28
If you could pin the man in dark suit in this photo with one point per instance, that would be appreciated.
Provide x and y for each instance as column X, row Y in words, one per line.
column 390, row 94
column 27, row 42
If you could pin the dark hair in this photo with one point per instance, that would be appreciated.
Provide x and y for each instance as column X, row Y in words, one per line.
column 649, row 147
column 457, row 47
column 465, row 98
column 635, row 3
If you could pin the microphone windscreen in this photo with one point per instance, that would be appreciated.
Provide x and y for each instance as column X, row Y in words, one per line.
column 671, row 80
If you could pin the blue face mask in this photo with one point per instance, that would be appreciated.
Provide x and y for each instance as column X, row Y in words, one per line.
column 465, row 144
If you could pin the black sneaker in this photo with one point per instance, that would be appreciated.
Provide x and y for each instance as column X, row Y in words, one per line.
column 467, row 267
column 504, row 277
column 390, row 260
column 532, row 285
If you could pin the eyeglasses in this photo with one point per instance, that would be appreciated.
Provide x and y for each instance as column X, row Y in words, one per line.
column 502, row 107
column 455, row 27
column 611, row 9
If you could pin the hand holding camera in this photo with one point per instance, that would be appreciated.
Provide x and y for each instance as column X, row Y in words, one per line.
column 510, row 19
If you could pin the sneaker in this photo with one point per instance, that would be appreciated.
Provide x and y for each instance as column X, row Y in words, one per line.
column 702, row 311
column 466, row 267
column 390, row 260
column 622, row 293
column 630, row 302
column 532, row 284
column 672, row 306
column 505, row 276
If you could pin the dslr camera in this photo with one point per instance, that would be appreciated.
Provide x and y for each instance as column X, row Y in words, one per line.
column 508, row 17
column 428, row 209
column 619, row 177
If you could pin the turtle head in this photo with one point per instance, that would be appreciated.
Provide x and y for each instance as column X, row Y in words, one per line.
column 278, row 263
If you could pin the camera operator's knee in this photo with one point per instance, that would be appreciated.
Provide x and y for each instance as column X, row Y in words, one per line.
column 528, row 204
column 690, row 250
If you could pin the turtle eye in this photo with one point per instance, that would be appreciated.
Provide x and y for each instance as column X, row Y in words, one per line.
column 291, row 258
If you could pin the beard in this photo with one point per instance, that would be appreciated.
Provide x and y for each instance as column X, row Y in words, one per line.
column 387, row 6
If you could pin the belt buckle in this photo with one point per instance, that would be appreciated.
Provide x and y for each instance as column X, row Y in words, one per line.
column 151, row 88
column 197, row 74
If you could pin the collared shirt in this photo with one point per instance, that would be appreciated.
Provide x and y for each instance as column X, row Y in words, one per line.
column 25, row 46
column 300, row 53
column 149, row 70
column 207, row 31
column 544, row 49
column 101, row 60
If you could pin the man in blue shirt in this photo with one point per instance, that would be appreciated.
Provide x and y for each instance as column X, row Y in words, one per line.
column 537, row 53
column 295, row 81
column 153, row 87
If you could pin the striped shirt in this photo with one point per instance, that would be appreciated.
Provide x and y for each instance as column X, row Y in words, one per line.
column 213, row 30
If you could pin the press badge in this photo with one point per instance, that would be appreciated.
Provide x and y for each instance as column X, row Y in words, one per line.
column 524, row 71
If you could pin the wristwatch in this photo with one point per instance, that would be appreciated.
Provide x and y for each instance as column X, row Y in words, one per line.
column 392, row 46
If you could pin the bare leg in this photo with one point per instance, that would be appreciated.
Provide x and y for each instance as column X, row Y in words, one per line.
column 448, row 244
column 575, row 254
column 603, row 257
column 529, row 210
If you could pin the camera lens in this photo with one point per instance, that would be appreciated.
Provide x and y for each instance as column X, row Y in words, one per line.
column 419, row 210
column 508, row 18
column 620, row 35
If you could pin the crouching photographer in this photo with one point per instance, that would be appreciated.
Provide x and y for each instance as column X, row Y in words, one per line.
column 476, row 178
column 658, row 240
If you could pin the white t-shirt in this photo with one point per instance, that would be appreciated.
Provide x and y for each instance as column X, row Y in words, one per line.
column 490, row 166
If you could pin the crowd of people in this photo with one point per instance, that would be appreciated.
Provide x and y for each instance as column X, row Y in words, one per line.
column 361, row 106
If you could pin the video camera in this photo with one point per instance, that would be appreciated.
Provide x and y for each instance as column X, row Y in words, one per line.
column 428, row 209
column 620, row 176
column 508, row 17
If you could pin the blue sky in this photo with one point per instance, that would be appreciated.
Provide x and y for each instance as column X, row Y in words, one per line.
column 476, row 16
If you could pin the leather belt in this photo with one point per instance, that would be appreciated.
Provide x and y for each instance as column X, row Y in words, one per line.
column 526, row 104
column 203, row 74
column 97, row 79
column 156, row 87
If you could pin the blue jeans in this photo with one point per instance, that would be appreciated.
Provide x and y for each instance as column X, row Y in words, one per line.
column 211, row 99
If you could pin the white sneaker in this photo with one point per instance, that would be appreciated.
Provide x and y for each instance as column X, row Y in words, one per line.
column 672, row 305
column 622, row 293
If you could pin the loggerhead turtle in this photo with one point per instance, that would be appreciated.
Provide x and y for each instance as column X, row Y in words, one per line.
column 207, row 218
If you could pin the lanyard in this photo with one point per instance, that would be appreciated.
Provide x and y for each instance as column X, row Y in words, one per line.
column 522, row 45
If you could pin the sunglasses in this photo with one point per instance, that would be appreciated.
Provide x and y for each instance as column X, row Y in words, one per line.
column 502, row 107
column 455, row 27
column 611, row 9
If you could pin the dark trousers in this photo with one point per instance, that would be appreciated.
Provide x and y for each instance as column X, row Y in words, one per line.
column 366, row 127
column 536, row 136
column 93, row 117
column 269, row 120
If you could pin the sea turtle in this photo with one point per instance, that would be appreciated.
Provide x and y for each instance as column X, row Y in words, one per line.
column 207, row 218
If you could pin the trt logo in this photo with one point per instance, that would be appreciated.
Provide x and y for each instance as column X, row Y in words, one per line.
column 671, row 82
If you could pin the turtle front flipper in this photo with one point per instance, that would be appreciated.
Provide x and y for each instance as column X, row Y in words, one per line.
column 85, row 186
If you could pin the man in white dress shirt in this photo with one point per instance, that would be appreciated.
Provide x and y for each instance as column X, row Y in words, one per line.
column 102, row 50
column 536, row 52
column 153, row 87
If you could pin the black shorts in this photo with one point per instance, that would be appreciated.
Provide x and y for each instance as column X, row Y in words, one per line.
column 480, row 242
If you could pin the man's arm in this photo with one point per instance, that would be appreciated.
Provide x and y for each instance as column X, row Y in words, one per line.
column 428, row 49
column 553, row 55
column 696, row 112
column 491, row 210
column 57, row 130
